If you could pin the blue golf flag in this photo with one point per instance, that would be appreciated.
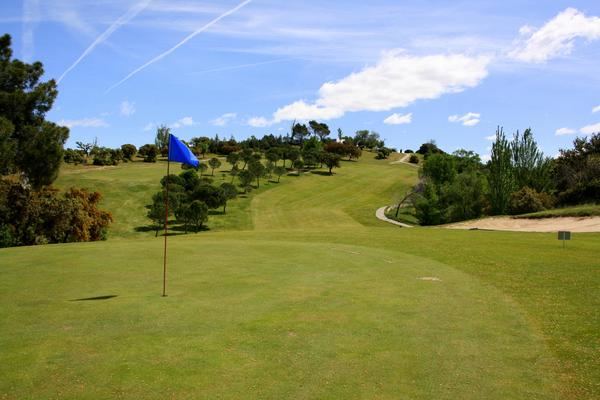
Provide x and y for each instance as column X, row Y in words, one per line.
column 179, row 152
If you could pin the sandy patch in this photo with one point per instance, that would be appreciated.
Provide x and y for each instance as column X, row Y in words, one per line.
column 429, row 278
column 573, row 224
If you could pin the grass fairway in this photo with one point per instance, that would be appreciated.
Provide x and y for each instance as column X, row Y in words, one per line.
column 299, row 292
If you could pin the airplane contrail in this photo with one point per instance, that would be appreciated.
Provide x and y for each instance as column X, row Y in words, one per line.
column 219, row 69
column 123, row 19
column 172, row 49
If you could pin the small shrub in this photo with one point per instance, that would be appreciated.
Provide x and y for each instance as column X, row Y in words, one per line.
column 413, row 159
column 529, row 200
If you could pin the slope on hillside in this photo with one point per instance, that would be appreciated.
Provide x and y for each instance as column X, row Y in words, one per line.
column 311, row 201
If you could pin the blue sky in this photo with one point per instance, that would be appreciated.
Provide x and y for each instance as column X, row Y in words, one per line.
column 411, row 70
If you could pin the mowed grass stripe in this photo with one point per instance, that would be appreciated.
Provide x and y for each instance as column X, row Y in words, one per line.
column 345, row 200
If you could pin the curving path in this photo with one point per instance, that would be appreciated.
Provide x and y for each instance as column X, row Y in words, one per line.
column 380, row 214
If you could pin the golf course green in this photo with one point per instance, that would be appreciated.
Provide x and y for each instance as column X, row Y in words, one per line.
column 298, row 292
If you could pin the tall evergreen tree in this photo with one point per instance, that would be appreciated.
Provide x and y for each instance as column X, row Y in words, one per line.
column 500, row 179
column 28, row 143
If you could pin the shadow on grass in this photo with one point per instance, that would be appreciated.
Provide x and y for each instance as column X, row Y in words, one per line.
column 322, row 173
column 105, row 297
column 180, row 229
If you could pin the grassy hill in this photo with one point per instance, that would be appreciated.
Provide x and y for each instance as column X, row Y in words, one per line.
column 298, row 292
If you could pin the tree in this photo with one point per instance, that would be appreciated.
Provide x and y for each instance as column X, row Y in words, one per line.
column 530, row 167
column 234, row 172
column 246, row 179
column 199, row 145
column 129, row 151
column 576, row 171
column 269, row 167
column 331, row 161
column 466, row 160
column 202, row 167
column 427, row 207
column 500, row 178
column 429, row 148
column 45, row 215
column 29, row 143
column 273, row 155
column 293, row 154
column 162, row 139
column 233, row 159
column 298, row 165
column 197, row 214
column 279, row 170
column 383, row 153
column 299, row 132
column 229, row 192
column 149, row 152
column 465, row 196
column 257, row 170
column 214, row 163
column 86, row 148
column 319, row 129
column 247, row 156
column 440, row 169
column 212, row 196
column 188, row 179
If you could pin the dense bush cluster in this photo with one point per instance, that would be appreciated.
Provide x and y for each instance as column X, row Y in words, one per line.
column 29, row 216
column 576, row 172
column 518, row 179
column 190, row 199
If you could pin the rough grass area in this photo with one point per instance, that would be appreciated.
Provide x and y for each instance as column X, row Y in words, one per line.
column 587, row 210
column 405, row 215
column 299, row 292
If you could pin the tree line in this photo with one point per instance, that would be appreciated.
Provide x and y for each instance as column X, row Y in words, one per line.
column 193, row 193
column 517, row 179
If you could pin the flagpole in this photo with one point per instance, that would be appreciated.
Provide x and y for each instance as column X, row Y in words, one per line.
column 166, row 219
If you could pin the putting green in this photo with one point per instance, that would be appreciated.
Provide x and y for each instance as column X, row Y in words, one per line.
column 251, row 318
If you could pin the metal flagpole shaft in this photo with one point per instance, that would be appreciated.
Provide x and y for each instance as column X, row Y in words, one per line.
column 166, row 222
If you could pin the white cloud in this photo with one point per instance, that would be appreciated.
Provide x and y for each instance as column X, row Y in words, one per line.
column 397, row 119
column 486, row 157
column 258, row 122
column 223, row 119
column 589, row 129
column 127, row 108
column 185, row 121
column 564, row 131
column 596, row 109
column 556, row 37
column 469, row 119
column 397, row 80
column 491, row 138
column 84, row 123
column 149, row 126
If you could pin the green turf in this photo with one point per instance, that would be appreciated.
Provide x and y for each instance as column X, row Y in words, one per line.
column 300, row 293
column 586, row 210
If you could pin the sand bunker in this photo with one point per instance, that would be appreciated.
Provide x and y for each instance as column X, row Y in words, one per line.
column 573, row 224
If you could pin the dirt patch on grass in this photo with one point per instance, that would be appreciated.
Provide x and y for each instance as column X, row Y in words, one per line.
column 573, row 224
